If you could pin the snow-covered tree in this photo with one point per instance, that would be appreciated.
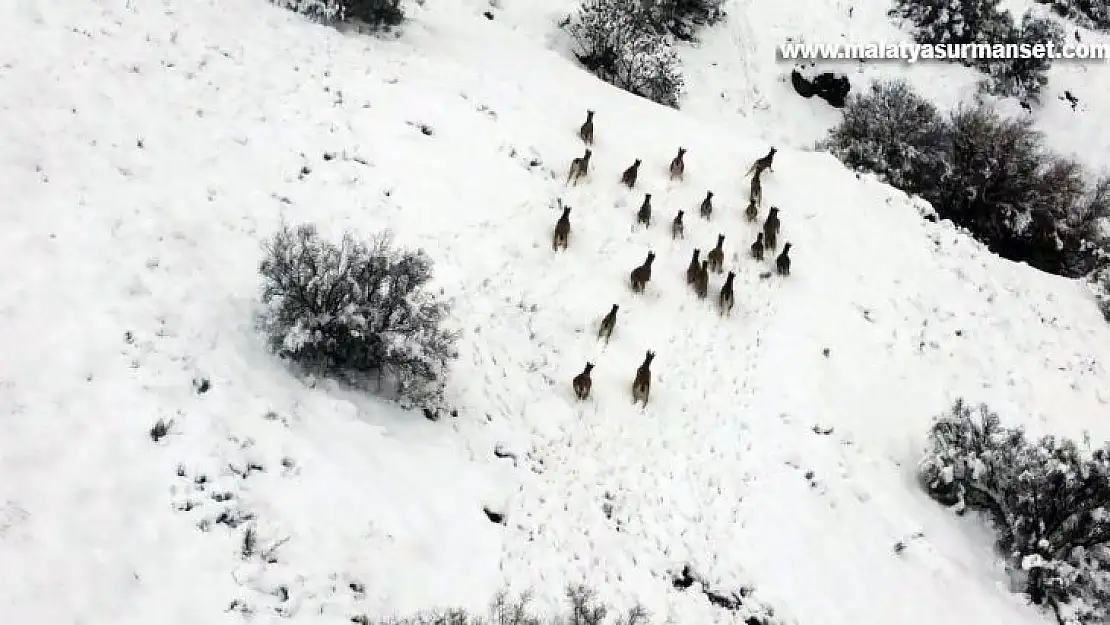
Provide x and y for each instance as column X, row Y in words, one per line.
column 375, row 13
column 619, row 43
column 1024, row 202
column 953, row 21
column 1093, row 14
column 1023, row 78
column 1049, row 501
column 993, row 187
column 987, row 173
column 983, row 22
column 895, row 133
column 1100, row 284
column 683, row 18
column 356, row 308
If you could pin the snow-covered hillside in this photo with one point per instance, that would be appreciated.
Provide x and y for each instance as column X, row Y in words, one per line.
column 150, row 147
column 733, row 73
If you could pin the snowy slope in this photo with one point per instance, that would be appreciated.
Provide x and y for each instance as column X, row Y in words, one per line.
column 733, row 73
column 132, row 273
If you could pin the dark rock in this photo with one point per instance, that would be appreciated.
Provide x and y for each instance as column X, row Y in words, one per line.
column 685, row 579
column 801, row 85
column 729, row 602
column 494, row 517
column 830, row 87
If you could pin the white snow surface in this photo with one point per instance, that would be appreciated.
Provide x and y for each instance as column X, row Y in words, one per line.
column 131, row 270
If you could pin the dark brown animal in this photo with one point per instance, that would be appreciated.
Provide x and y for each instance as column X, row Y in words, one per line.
column 643, row 215
column 727, row 298
column 641, row 385
column 642, row 275
column 757, row 247
column 751, row 212
column 562, row 231
column 579, row 167
column 782, row 263
column 755, row 196
column 628, row 178
column 706, row 208
column 678, row 166
column 586, row 132
column 763, row 162
column 701, row 282
column 608, row 322
column 694, row 268
column 771, row 229
column 678, row 230
column 582, row 382
column 716, row 256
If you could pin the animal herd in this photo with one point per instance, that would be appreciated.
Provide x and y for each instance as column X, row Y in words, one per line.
column 697, row 273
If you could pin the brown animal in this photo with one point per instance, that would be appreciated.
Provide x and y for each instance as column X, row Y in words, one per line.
column 642, row 275
column 764, row 162
column 757, row 247
column 586, row 132
column 693, row 269
column 771, row 228
column 582, row 382
column 678, row 230
column 751, row 212
column 755, row 196
column 562, row 231
column 678, row 167
column 607, row 324
column 782, row 263
column 727, row 298
column 641, row 385
column 716, row 256
column 643, row 215
column 701, row 283
column 628, row 178
column 579, row 167
column 707, row 205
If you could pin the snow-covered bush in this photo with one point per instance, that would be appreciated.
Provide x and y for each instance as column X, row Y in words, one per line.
column 1023, row 78
column 1049, row 501
column 954, row 21
column 375, row 13
column 989, row 174
column 356, row 308
column 894, row 133
column 683, row 18
column 581, row 607
column 1093, row 14
column 1024, row 202
column 620, row 44
column 1084, row 239
column 983, row 22
column 1100, row 283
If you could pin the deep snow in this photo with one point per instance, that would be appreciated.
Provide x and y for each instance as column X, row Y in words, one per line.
column 131, row 272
